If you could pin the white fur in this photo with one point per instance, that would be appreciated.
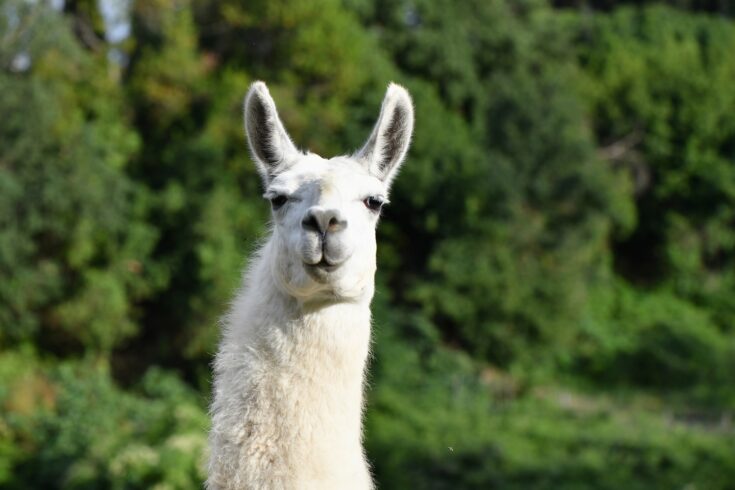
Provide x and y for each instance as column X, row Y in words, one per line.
column 288, row 376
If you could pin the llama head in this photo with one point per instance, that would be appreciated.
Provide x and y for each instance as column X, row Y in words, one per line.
column 325, row 211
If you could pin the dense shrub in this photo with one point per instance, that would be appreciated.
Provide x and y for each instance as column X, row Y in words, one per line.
column 72, row 428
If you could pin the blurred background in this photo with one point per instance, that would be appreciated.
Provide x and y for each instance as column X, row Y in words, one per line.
column 556, row 285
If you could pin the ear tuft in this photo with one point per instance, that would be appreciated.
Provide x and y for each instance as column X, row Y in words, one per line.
column 388, row 144
column 270, row 145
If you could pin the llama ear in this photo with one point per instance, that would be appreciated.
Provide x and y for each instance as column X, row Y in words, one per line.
column 386, row 148
column 270, row 145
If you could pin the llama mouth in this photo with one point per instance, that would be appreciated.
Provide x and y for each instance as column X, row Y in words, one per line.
column 323, row 265
column 322, row 270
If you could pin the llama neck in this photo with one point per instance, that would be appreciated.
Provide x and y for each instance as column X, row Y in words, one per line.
column 289, row 382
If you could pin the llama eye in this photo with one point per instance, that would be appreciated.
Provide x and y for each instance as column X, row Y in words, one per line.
column 278, row 201
column 373, row 203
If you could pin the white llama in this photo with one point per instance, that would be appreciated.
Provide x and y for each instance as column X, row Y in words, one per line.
column 288, row 376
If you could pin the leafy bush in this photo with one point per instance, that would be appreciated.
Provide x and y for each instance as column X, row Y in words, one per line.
column 78, row 430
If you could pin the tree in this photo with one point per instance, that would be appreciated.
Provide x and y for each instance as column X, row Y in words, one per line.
column 73, row 246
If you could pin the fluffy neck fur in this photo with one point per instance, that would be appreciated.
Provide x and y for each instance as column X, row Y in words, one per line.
column 288, row 388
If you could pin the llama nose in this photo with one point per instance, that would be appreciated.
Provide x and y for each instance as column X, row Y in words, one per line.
column 323, row 221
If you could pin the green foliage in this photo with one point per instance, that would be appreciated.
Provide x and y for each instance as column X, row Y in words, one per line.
column 656, row 339
column 662, row 79
column 437, row 421
column 556, row 302
column 658, row 85
column 520, row 207
column 87, row 433
column 73, row 247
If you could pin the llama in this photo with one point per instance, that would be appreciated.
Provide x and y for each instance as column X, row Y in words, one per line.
column 288, row 375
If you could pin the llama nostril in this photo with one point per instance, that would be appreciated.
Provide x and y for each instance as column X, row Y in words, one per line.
column 336, row 224
column 310, row 223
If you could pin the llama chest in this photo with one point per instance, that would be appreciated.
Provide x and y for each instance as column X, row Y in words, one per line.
column 306, row 408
